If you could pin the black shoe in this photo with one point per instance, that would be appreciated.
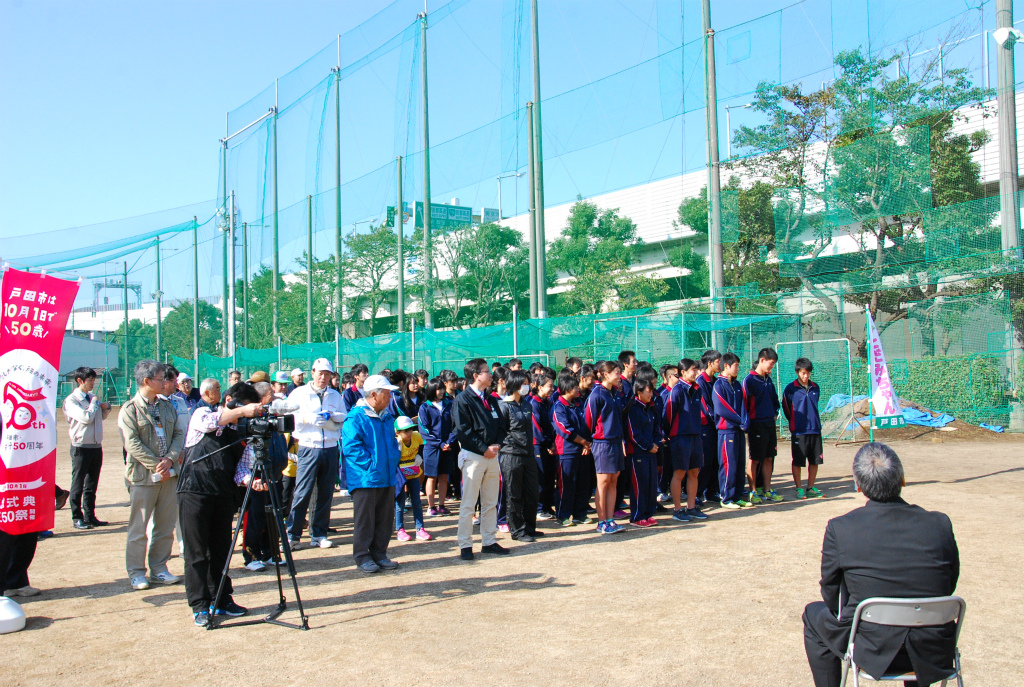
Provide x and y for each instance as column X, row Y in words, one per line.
column 81, row 525
column 495, row 548
column 524, row 537
column 466, row 554
column 232, row 610
column 60, row 499
column 387, row 564
column 95, row 522
column 538, row 533
column 332, row 530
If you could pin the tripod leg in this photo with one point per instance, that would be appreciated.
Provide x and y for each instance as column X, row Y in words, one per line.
column 287, row 549
column 231, row 551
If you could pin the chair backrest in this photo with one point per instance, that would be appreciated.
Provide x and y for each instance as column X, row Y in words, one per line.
column 932, row 611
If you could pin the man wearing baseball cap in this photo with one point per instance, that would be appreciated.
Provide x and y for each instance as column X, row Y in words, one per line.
column 259, row 376
column 298, row 379
column 372, row 456
column 280, row 384
column 317, row 431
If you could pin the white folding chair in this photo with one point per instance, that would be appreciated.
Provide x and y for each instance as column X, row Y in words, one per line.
column 933, row 611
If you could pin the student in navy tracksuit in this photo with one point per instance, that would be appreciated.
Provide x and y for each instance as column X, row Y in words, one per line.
column 800, row 404
column 572, row 444
column 544, row 442
column 628, row 365
column 440, row 445
column 643, row 435
column 669, row 377
column 762, row 402
column 707, row 479
column 603, row 416
column 682, row 422
column 732, row 422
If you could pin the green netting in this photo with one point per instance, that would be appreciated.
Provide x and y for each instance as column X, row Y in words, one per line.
column 730, row 216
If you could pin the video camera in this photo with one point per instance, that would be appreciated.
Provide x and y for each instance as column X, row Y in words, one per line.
column 277, row 418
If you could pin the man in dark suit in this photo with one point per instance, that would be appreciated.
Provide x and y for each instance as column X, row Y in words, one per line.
column 888, row 548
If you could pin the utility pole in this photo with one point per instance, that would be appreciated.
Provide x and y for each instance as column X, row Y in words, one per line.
column 195, row 295
column 224, row 245
column 714, row 178
column 1006, row 102
column 428, row 258
column 159, row 301
column 338, row 294
column 309, row 269
column 124, row 286
column 533, row 212
column 230, row 301
column 245, row 285
column 541, row 243
column 274, row 210
column 400, row 230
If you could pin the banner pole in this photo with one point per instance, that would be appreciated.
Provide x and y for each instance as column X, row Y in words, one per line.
column 867, row 337
column 124, row 286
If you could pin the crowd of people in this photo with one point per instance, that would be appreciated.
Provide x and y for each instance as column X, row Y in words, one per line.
column 601, row 444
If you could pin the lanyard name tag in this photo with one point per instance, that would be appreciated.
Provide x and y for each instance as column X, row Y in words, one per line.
column 494, row 413
column 160, row 432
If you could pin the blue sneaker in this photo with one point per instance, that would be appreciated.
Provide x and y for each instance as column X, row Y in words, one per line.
column 232, row 610
column 201, row 619
column 614, row 528
column 700, row 500
column 681, row 515
column 696, row 514
column 601, row 527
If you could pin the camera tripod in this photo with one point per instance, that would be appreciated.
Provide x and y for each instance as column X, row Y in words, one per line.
column 262, row 470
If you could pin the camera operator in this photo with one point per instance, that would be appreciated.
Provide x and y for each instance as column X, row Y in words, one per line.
column 317, row 430
column 208, row 495
column 257, row 549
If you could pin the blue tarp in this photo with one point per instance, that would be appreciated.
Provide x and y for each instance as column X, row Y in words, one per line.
column 839, row 400
column 993, row 428
column 917, row 417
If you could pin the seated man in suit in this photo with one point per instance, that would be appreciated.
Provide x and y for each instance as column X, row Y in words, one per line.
column 888, row 548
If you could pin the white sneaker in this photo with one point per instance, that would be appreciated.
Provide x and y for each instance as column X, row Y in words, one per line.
column 664, row 498
column 139, row 583
column 255, row 566
column 270, row 561
column 164, row 578
column 23, row 591
column 293, row 544
column 321, row 542
column 476, row 522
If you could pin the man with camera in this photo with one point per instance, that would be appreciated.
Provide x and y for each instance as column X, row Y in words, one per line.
column 208, row 495
column 318, row 421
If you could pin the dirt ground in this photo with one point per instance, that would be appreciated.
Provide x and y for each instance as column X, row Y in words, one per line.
column 716, row 603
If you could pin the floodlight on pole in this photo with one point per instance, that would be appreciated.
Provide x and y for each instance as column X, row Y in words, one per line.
column 501, row 215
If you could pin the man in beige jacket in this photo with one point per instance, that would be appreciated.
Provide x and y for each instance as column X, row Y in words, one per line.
column 85, row 414
column 153, row 440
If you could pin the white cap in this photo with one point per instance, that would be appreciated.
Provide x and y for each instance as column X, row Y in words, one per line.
column 403, row 422
column 322, row 364
column 183, row 377
column 297, row 372
column 376, row 383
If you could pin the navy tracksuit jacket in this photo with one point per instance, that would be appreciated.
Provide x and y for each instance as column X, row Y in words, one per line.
column 643, row 432
column 574, row 468
column 730, row 409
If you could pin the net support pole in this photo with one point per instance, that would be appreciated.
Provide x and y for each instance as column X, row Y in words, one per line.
column 400, row 232
column 682, row 335
column 274, row 212
column 224, row 248
column 309, row 269
column 124, row 287
column 338, row 292
column 279, row 361
column 229, row 302
column 428, row 258
column 159, row 302
column 533, row 212
column 714, row 173
column 1006, row 95
column 195, row 294
column 413, row 340
column 515, row 332
column 245, row 285
column 538, row 166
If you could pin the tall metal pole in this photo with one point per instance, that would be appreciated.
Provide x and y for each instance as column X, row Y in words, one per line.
column 1009, row 200
column 540, row 248
column 515, row 331
column 309, row 269
column 533, row 212
column 714, row 178
column 400, row 231
column 124, row 286
column 274, row 210
column 338, row 289
column 428, row 258
column 159, row 301
column 231, row 278
column 245, row 285
column 195, row 294
column 224, row 246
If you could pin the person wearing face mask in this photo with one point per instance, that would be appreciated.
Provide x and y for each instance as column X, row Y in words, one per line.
column 519, row 468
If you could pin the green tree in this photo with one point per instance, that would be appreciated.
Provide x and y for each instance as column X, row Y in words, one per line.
column 596, row 249
column 497, row 270
column 369, row 260
column 293, row 302
column 176, row 330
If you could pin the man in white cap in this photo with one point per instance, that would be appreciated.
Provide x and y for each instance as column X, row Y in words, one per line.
column 371, row 465
column 317, row 431
column 298, row 379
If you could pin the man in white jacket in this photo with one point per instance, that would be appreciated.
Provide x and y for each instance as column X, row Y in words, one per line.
column 85, row 416
column 317, row 432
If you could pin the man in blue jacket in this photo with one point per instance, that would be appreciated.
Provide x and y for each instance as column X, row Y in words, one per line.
column 371, row 465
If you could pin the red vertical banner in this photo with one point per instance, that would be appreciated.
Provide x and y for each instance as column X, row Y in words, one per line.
column 34, row 310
